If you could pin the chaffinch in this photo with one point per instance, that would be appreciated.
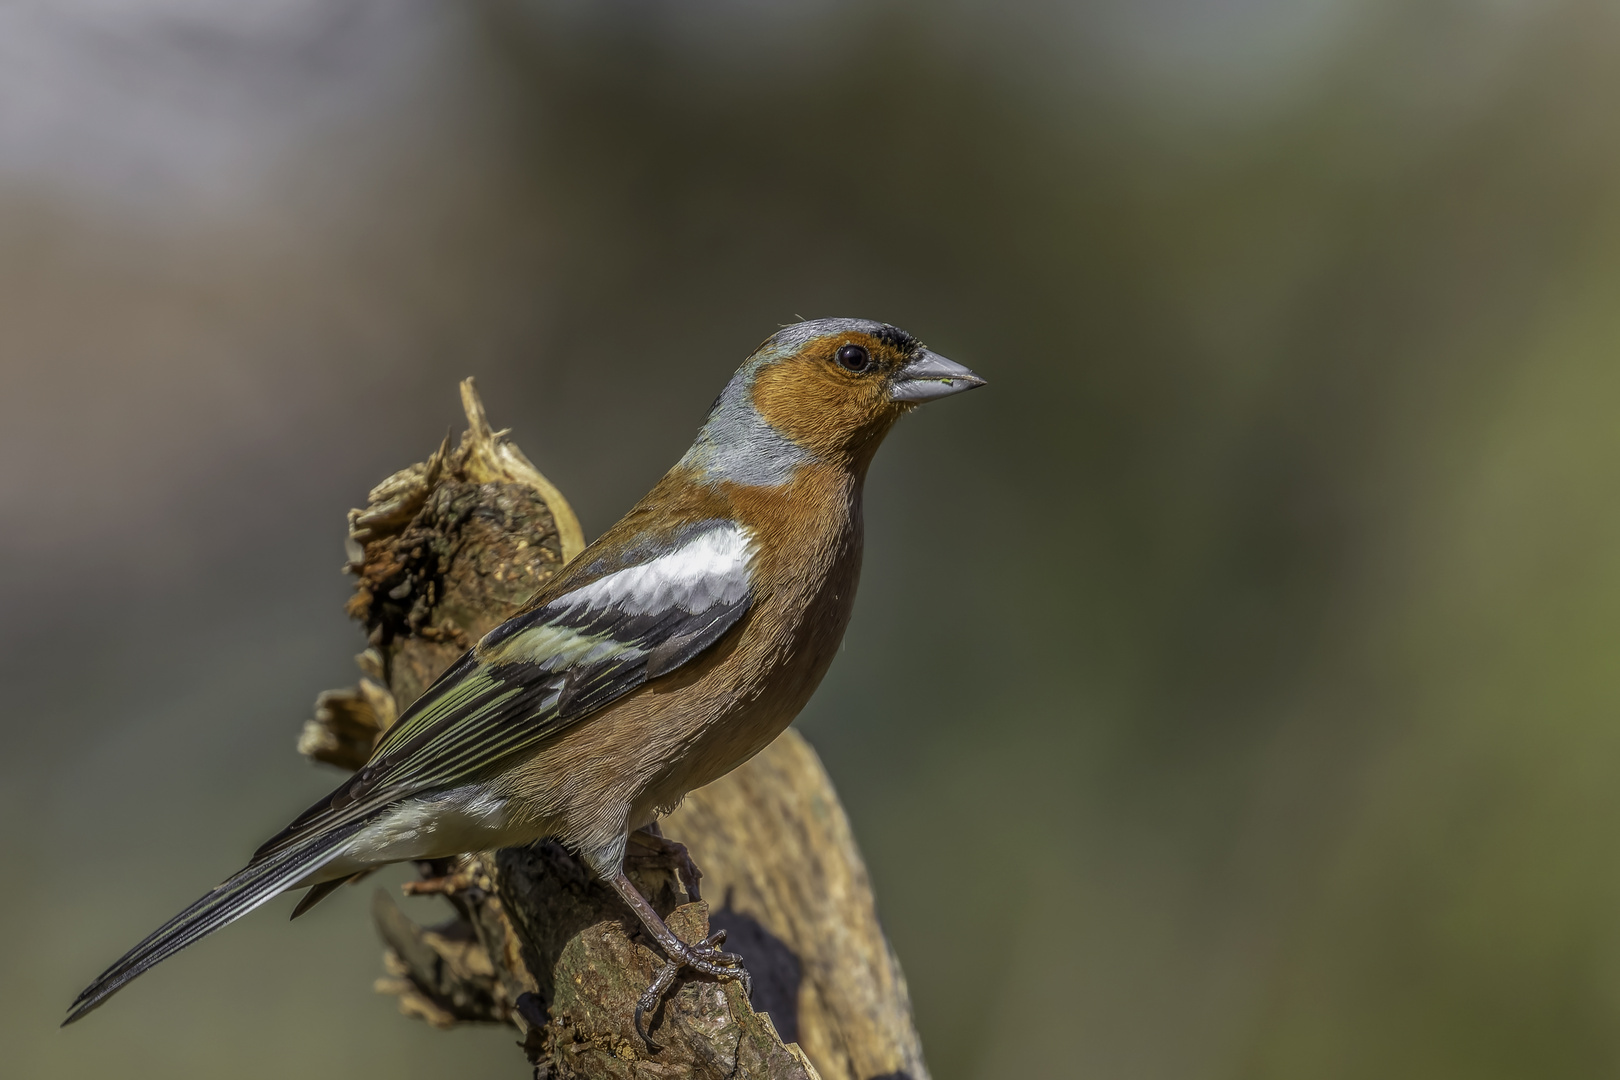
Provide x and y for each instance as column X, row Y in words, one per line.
column 672, row 650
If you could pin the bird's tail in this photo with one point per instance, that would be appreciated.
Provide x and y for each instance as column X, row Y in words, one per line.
column 239, row 894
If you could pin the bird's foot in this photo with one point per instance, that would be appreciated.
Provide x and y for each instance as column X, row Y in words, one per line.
column 705, row 958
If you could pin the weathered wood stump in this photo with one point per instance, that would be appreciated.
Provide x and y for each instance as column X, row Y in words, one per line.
column 443, row 552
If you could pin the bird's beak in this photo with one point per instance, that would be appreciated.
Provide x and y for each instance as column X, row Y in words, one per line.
column 932, row 376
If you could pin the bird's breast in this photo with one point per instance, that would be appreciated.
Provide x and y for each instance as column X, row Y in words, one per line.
column 805, row 579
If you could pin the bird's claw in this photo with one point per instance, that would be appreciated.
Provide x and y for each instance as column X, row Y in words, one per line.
column 650, row 997
column 705, row 958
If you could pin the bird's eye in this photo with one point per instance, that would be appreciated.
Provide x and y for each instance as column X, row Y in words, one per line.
column 854, row 358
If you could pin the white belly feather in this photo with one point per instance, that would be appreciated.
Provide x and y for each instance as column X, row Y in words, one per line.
column 468, row 818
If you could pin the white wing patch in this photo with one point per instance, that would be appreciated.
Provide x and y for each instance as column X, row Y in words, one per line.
column 709, row 568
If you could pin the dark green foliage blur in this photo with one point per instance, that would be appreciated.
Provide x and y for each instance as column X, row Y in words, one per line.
column 1234, row 689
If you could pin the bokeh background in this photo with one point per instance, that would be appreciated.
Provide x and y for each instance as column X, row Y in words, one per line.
column 1233, row 690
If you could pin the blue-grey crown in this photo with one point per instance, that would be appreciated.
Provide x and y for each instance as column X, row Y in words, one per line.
column 790, row 339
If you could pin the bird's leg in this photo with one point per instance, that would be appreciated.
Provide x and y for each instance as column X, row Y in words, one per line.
column 705, row 957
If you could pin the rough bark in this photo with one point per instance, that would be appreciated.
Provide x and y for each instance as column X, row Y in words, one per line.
column 444, row 551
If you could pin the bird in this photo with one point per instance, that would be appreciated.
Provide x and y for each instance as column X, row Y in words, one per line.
column 671, row 650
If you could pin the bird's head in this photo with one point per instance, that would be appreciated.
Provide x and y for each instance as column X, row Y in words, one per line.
column 826, row 389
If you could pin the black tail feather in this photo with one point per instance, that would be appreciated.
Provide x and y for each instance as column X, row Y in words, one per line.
column 317, row 893
column 239, row 894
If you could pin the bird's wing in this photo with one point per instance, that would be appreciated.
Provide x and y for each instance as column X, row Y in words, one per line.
column 545, row 669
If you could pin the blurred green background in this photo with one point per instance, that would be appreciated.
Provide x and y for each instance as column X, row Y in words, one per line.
column 1233, row 690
